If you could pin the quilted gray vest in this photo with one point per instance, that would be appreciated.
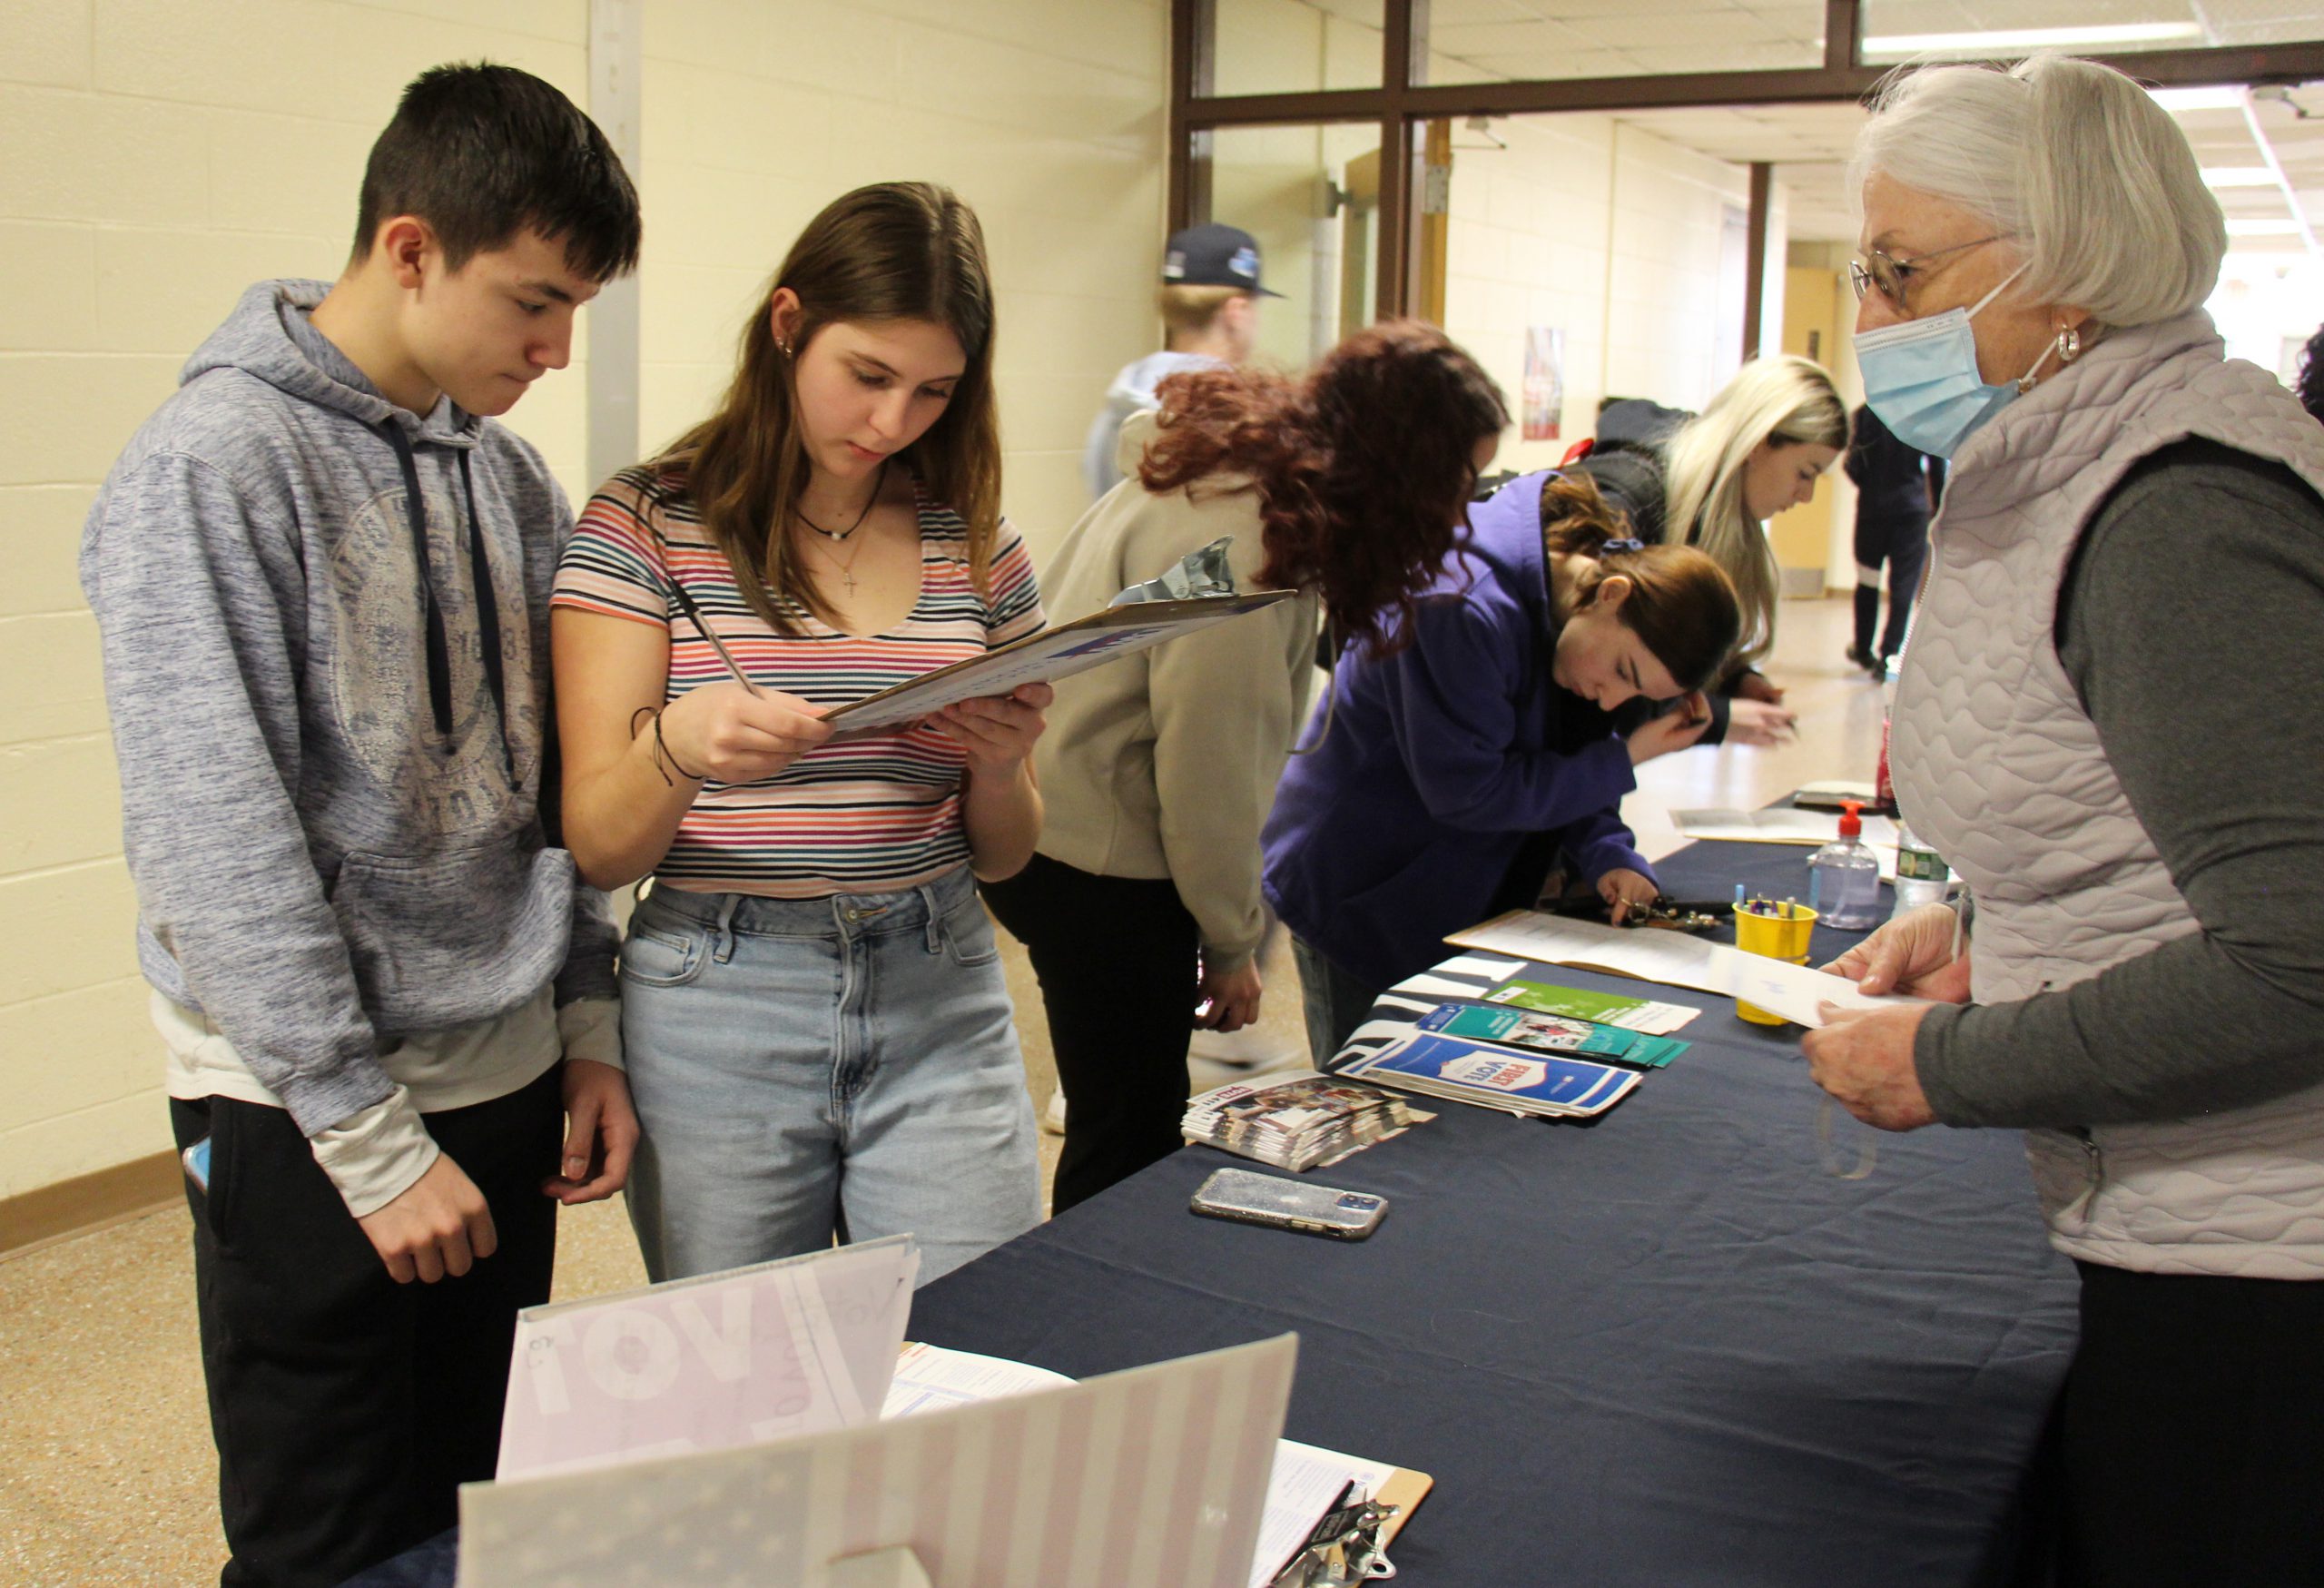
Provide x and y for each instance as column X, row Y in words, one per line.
column 1997, row 766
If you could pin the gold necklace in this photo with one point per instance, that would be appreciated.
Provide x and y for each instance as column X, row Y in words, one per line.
column 847, row 569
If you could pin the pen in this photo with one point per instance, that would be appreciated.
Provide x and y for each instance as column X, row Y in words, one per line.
column 702, row 627
column 727, row 656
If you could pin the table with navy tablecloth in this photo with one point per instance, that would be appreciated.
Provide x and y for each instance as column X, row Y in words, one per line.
column 1673, row 1345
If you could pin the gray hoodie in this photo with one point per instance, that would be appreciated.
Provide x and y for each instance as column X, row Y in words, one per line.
column 332, row 793
column 1131, row 392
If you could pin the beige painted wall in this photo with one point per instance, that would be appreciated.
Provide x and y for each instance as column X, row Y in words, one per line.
column 1612, row 234
column 1831, row 258
column 1812, row 322
column 162, row 155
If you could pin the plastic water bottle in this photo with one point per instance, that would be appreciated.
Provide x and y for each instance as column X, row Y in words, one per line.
column 1922, row 876
column 1843, row 877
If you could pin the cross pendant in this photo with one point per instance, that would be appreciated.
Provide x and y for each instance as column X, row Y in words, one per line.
column 850, row 580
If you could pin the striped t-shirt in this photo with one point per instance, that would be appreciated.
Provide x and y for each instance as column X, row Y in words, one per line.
column 871, row 815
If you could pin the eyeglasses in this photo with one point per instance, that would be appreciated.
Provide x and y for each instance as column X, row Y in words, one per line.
column 1894, row 277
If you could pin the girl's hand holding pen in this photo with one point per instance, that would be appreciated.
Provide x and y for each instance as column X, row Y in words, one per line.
column 731, row 732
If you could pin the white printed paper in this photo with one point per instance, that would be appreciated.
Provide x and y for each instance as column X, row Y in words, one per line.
column 1675, row 958
column 929, row 1378
column 1305, row 1483
column 1780, row 825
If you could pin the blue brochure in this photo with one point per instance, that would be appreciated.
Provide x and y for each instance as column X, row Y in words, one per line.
column 1495, row 1077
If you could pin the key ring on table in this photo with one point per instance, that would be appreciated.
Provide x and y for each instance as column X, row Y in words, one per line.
column 1835, row 1161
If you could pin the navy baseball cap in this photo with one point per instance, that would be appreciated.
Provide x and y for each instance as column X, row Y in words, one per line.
column 1212, row 256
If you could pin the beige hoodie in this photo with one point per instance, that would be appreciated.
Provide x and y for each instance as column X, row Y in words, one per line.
column 1164, row 764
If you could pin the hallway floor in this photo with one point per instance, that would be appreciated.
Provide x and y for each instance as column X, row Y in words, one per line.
column 106, row 1472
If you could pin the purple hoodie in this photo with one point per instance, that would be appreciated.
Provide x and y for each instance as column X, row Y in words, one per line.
column 1442, row 760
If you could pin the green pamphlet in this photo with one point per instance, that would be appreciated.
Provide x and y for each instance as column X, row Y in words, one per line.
column 1605, row 1009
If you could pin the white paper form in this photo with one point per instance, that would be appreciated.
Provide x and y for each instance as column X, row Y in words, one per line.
column 1786, row 825
column 1305, row 1483
column 1675, row 958
column 929, row 1378
column 1780, row 825
column 762, row 1352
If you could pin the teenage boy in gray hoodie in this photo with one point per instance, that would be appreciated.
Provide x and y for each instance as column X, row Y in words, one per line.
column 322, row 574
column 1210, row 319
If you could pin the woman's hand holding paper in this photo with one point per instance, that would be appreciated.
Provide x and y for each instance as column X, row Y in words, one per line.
column 1863, row 1058
column 1912, row 954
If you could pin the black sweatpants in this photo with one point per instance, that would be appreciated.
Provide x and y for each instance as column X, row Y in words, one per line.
column 1903, row 546
column 2193, row 1433
column 347, row 1408
column 1118, row 959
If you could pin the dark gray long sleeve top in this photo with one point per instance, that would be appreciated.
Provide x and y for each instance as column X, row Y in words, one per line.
column 2191, row 623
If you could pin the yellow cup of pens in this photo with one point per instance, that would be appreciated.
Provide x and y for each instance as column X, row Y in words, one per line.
column 1779, row 931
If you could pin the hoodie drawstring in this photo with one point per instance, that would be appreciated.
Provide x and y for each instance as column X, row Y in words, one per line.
column 487, row 601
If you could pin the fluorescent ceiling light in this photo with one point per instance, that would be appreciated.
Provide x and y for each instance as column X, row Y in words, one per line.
column 2263, row 227
column 2239, row 176
column 2226, row 97
column 2006, row 41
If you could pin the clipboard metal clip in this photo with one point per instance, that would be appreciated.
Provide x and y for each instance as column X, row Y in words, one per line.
column 1345, row 1549
column 1199, row 573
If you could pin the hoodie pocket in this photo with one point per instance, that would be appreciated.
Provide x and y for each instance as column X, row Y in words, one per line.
column 456, row 936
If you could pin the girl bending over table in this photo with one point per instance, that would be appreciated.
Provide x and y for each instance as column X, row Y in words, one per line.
column 1455, row 762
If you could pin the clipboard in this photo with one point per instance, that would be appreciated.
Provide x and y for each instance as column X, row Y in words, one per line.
column 1404, row 1489
column 1044, row 657
column 1350, row 1540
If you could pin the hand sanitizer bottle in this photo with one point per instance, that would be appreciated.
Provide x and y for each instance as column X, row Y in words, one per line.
column 1844, row 877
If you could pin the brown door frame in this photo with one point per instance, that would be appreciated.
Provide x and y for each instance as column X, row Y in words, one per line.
column 1405, row 100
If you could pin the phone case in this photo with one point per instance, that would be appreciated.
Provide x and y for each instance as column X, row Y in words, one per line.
column 1281, row 1204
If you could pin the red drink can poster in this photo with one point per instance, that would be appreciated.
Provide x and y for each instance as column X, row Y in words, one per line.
column 1545, row 399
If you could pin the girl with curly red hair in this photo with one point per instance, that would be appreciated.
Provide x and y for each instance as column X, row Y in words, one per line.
column 1140, row 908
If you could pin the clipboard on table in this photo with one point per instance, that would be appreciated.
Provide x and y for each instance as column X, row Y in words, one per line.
column 1404, row 1489
column 1046, row 656
column 1345, row 1536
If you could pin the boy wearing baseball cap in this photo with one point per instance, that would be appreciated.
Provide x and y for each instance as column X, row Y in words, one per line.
column 1210, row 310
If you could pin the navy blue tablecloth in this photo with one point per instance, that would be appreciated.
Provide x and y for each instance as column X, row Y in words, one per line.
column 1666, row 1348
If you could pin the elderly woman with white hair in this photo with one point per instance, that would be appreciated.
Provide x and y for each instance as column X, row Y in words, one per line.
column 2108, row 723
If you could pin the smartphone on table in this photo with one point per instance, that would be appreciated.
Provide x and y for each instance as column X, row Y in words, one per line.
column 1283, row 1204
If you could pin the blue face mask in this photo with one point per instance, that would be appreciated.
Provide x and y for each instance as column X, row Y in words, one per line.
column 1921, row 378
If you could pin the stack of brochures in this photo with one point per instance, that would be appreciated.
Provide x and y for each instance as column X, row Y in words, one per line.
column 1552, row 1033
column 1297, row 1124
column 1495, row 1077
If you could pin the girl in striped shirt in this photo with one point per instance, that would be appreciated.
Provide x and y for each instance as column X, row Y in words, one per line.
column 819, row 1039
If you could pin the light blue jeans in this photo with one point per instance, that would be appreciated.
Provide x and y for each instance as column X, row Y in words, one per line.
column 807, row 1070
